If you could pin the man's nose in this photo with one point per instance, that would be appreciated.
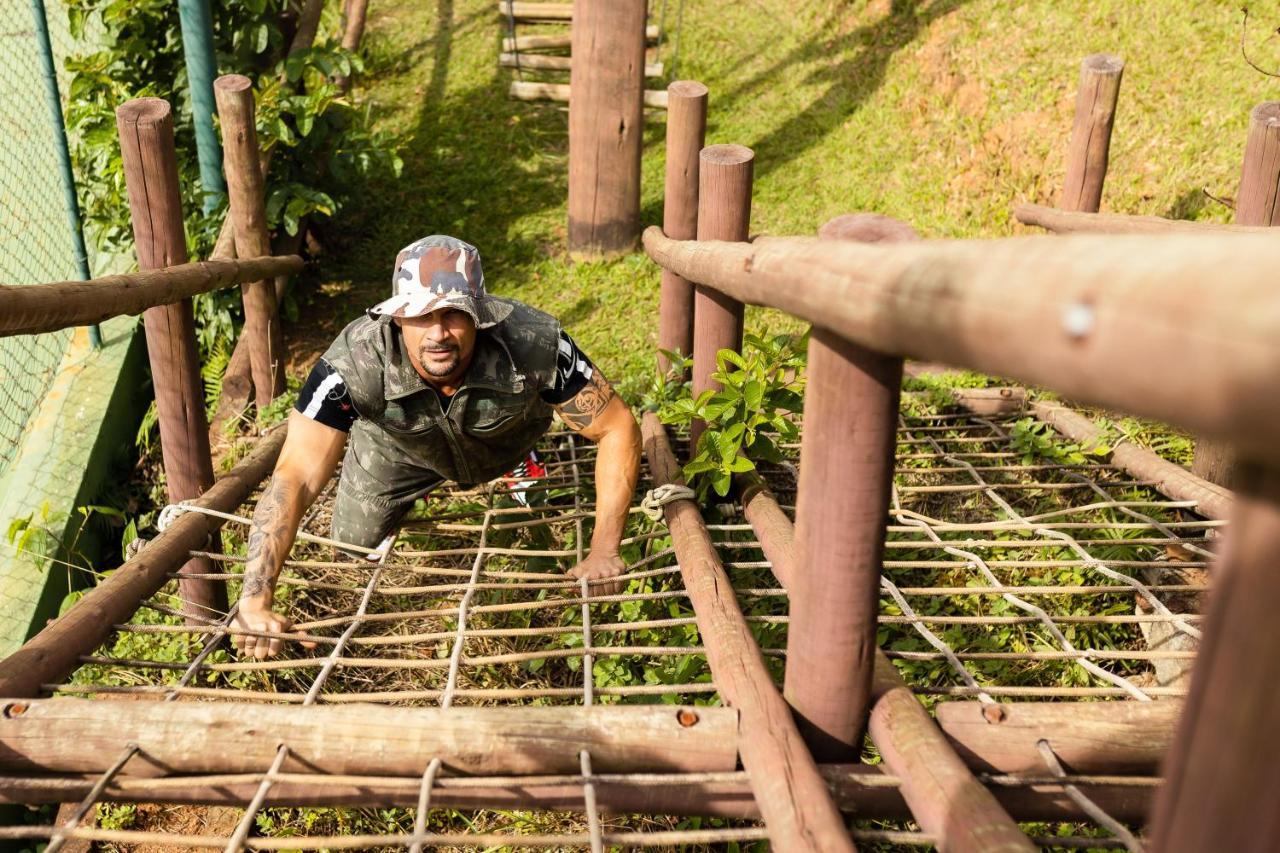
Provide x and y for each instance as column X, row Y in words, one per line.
column 437, row 330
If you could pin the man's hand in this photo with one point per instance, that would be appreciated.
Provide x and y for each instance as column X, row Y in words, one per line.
column 263, row 620
column 601, row 570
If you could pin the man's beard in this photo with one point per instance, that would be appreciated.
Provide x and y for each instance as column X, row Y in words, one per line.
column 438, row 369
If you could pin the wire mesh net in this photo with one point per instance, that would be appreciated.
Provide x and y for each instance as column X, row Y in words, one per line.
column 1005, row 579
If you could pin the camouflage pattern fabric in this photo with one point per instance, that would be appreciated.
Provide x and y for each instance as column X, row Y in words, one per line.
column 441, row 272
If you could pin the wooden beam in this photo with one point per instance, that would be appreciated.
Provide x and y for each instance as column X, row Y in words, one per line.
column 686, row 133
column 553, row 42
column 522, row 11
column 354, row 14
column 1068, row 310
column 543, row 62
column 1091, row 132
column 26, row 310
column 528, row 90
column 54, row 653
column 945, row 798
column 794, row 801
column 75, row 736
column 1223, row 780
column 860, row 790
column 1068, row 222
column 606, row 127
column 1088, row 737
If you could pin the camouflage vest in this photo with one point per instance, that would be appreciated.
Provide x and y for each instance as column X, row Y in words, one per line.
column 487, row 427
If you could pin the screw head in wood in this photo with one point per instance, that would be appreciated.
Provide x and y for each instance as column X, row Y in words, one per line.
column 15, row 709
column 994, row 713
column 686, row 718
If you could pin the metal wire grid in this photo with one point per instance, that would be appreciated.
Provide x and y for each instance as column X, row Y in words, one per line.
column 473, row 607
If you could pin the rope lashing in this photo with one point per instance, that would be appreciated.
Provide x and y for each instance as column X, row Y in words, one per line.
column 655, row 499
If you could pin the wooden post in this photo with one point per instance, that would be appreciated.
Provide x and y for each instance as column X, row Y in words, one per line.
column 246, row 193
column 1222, row 789
column 724, row 213
column 686, row 131
column 151, row 178
column 1255, row 206
column 606, row 115
column 846, row 467
column 1091, row 132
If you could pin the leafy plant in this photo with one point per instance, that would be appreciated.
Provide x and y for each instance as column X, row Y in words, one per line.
column 1035, row 440
column 749, row 416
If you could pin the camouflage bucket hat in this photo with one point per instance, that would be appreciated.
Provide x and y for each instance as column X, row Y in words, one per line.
column 441, row 272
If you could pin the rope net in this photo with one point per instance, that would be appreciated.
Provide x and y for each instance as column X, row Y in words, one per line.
column 1005, row 579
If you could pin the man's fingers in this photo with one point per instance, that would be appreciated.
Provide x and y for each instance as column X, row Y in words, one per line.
column 307, row 644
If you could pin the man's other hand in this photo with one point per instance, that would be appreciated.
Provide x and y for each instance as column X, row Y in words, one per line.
column 266, row 621
column 602, row 571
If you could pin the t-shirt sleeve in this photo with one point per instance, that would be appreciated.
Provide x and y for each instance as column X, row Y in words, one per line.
column 325, row 398
column 573, row 372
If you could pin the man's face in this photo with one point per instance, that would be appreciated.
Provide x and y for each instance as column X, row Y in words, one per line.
column 440, row 344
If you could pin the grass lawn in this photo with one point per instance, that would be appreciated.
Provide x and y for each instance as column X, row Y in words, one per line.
column 942, row 113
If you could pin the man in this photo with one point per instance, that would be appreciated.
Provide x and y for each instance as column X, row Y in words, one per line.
column 439, row 382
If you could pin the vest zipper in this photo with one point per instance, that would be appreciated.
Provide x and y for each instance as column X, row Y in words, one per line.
column 446, row 426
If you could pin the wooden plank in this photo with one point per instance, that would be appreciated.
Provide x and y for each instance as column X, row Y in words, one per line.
column 75, row 736
column 1068, row 310
column 53, row 654
column 606, row 127
column 1091, row 132
column 794, row 801
column 1068, row 222
column 528, row 90
column 536, row 11
column 686, row 133
column 1223, row 780
column 1088, row 737
column 26, row 310
column 543, row 62
column 246, row 189
column 554, row 42
column 944, row 796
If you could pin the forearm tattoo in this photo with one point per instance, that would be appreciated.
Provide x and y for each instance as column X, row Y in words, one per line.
column 268, row 541
column 580, row 412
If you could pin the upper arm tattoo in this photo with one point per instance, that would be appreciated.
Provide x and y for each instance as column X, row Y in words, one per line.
column 580, row 412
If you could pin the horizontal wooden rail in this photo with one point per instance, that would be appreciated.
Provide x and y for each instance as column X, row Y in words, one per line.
column 1125, row 323
column 543, row 62
column 74, row 735
column 31, row 309
column 556, row 41
column 861, row 790
column 525, row 90
column 54, row 653
column 522, row 11
column 1070, row 222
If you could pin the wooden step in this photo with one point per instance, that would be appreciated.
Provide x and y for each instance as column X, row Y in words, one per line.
column 543, row 62
column 523, row 90
column 550, row 42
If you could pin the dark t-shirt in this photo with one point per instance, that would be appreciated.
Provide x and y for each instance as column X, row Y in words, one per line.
column 324, row 397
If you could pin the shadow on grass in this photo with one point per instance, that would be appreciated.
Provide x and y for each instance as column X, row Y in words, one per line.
column 852, row 65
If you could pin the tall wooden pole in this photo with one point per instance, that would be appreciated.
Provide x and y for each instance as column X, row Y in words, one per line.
column 151, row 178
column 1091, row 133
column 1256, row 205
column 606, row 115
column 846, row 468
column 1222, row 788
column 724, row 213
column 246, row 193
column 686, row 131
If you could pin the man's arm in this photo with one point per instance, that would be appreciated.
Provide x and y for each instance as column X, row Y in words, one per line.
column 601, row 415
column 308, row 459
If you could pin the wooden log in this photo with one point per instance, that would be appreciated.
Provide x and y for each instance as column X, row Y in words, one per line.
column 308, row 26
column 725, row 175
column 530, row 90
column 1170, row 479
column 945, row 798
column 26, row 310
column 686, row 133
column 1222, row 777
column 145, row 126
column 74, row 736
column 536, row 11
column 858, row 789
column 1067, row 309
column 606, row 127
column 1088, row 737
column 1256, row 205
column 846, row 469
column 543, row 62
column 54, row 653
column 1091, row 133
column 352, row 33
column 554, row 42
column 794, row 800
column 246, row 193
column 1068, row 222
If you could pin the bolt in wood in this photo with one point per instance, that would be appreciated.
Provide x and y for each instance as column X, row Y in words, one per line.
column 145, row 126
column 246, row 193
column 686, row 131
column 1091, row 133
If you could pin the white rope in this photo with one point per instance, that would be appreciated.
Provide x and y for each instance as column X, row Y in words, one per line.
column 655, row 499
